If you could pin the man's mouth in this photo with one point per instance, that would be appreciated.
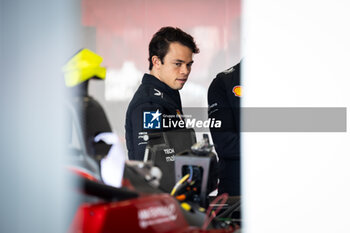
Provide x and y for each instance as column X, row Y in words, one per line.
column 181, row 80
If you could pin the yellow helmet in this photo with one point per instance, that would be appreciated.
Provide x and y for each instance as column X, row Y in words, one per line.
column 83, row 66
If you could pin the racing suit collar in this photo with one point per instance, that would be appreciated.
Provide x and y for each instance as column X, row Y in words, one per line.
column 150, row 79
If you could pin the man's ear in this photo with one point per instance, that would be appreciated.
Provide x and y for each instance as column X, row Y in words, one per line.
column 156, row 61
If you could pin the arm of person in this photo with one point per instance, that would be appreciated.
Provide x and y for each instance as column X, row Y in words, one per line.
column 226, row 139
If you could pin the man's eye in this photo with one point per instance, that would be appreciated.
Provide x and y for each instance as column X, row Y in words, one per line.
column 189, row 65
column 178, row 64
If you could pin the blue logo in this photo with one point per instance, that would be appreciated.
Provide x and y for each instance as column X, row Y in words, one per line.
column 151, row 120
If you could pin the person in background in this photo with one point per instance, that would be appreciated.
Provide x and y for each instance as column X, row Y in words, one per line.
column 224, row 96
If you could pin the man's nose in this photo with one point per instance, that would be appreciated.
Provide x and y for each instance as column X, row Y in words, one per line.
column 185, row 69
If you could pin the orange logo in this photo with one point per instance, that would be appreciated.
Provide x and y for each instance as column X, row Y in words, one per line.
column 237, row 91
column 178, row 113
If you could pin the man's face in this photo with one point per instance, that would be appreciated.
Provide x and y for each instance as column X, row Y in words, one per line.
column 176, row 66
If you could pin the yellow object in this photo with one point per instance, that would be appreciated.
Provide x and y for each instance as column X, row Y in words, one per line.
column 183, row 179
column 186, row 206
column 83, row 66
column 237, row 90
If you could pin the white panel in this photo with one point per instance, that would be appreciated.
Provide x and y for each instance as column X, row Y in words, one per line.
column 34, row 44
column 296, row 55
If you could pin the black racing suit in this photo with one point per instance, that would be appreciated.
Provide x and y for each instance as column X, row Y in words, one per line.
column 152, row 95
column 224, row 104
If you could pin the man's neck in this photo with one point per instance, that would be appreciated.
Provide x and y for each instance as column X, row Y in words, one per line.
column 152, row 72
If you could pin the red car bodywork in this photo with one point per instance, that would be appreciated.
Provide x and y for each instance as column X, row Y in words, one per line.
column 159, row 213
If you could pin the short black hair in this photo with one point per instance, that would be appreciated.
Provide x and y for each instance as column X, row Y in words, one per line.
column 161, row 40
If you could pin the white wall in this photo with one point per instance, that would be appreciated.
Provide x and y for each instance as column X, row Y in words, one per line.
column 297, row 54
column 35, row 39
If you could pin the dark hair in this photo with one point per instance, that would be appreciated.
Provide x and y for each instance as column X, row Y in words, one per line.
column 159, row 44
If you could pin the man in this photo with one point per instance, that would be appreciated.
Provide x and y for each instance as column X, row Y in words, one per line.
column 170, row 59
column 224, row 104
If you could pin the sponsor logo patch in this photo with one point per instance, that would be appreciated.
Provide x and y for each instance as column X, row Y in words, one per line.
column 156, row 215
column 158, row 92
column 237, row 90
